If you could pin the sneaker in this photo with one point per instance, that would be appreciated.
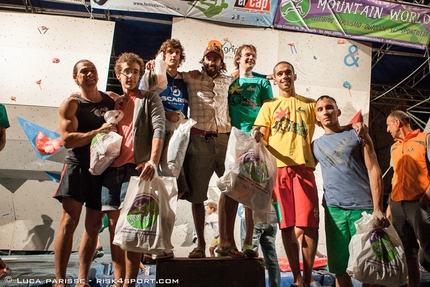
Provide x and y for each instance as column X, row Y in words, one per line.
column 166, row 254
column 99, row 253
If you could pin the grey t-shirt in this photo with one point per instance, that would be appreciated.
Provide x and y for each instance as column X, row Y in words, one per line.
column 345, row 176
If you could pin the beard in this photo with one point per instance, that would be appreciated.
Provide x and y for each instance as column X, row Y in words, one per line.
column 211, row 70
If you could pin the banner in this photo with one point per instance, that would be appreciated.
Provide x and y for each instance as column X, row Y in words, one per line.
column 258, row 13
column 78, row 2
column 137, row 6
column 367, row 20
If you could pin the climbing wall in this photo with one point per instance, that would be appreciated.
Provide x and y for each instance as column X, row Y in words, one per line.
column 37, row 55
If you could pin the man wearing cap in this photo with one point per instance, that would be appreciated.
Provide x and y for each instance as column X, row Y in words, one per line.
column 208, row 102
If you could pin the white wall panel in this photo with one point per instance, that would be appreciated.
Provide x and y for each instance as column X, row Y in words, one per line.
column 30, row 45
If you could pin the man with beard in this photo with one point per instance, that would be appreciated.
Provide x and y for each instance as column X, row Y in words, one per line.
column 208, row 96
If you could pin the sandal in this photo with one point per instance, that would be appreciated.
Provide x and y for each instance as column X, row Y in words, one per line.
column 230, row 251
column 249, row 252
column 197, row 253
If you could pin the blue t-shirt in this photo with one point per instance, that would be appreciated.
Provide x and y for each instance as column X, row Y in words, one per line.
column 175, row 96
column 345, row 176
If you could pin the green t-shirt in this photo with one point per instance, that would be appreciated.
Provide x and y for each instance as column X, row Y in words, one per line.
column 4, row 122
column 245, row 98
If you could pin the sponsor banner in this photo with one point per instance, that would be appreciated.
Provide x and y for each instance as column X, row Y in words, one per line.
column 137, row 6
column 80, row 2
column 367, row 20
column 258, row 13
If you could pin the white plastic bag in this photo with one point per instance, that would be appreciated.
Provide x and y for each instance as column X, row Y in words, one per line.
column 376, row 256
column 264, row 217
column 105, row 147
column 250, row 172
column 157, row 78
column 146, row 221
column 176, row 144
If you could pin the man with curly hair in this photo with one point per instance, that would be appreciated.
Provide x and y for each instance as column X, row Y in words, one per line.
column 143, row 132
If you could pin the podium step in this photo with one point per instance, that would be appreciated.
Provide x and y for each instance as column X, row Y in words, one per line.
column 211, row 271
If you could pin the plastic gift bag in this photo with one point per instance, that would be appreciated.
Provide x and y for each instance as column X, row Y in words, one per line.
column 175, row 146
column 105, row 147
column 376, row 256
column 148, row 215
column 264, row 217
column 157, row 78
column 250, row 172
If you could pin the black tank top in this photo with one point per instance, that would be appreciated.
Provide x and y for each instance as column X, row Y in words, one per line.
column 90, row 116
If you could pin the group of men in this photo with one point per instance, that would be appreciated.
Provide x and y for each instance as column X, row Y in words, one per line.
column 217, row 101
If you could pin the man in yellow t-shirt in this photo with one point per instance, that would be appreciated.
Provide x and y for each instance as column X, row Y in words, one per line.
column 287, row 124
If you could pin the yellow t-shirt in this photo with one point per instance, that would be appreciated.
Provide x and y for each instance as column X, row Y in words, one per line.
column 292, row 124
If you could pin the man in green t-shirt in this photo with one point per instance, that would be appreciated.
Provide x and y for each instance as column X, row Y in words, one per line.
column 246, row 95
column 4, row 124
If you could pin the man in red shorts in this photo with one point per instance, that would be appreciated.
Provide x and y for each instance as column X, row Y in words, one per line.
column 286, row 125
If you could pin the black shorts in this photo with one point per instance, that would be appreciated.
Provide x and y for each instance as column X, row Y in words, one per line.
column 79, row 184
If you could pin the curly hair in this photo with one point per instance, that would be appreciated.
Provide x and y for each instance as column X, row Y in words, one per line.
column 129, row 58
column 175, row 44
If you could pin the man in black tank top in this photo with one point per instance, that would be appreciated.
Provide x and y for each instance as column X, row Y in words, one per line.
column 81, row 118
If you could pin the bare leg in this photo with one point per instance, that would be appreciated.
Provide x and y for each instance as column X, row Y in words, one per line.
column 343, row 280
column 291, row 247
column 249, row 220
column 118, row 255
column 93, row 223
column 212, row 251
column 64, row 240
column 132, row 263
column 309, row 247
column 413, row 272
column 227, row 208
column 199, row 223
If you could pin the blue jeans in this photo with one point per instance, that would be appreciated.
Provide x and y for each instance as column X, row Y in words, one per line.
column 265, row 235
column 115, row 185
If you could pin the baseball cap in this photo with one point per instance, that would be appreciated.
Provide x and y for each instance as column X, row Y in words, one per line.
column 214, row 49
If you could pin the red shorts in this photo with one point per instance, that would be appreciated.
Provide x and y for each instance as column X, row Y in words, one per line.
column 296, row 191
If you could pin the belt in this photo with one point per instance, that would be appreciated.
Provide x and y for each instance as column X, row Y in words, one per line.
column 195, row 131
